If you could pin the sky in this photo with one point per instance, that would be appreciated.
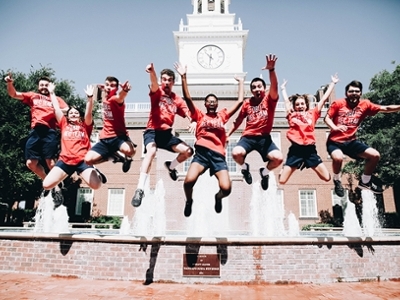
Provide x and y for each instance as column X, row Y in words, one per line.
column 86, row 40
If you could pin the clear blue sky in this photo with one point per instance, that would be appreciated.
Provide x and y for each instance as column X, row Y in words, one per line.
column 87, row 40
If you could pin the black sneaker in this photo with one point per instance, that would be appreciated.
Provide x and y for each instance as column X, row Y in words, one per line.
column 58, row 198
column 339, row 190
column 264, row 180
column 172, row 173
column 246, row 174
column 45, row 193
column 102, row 176
column 218, row 204
column 137, row 198
column 370, row 186
column 126, row 165
column 188, row 208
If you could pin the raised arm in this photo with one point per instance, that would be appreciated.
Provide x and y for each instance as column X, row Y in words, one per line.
column 57, row 110
column 390, row 108
column 126, row 87
column 288, row 104
column 273, row 89
column 185, row 90
column 239, row 102
column 89, row 104
column 153, row 78
column 325, row 97
column 11, row 89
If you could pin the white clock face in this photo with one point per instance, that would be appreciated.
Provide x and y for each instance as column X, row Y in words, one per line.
column 210, row 57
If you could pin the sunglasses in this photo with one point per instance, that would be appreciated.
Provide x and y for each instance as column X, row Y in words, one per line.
column 353, row 91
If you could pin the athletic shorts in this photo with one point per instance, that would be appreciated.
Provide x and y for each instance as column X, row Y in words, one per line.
column 108, row 146
column 42, row 142
column 262, row 144
column 302, row 156
column 70, row 169
column 352, row 148
column 162, row 138
column 210, row 159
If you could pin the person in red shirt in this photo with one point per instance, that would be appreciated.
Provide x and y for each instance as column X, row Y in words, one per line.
column 303, row 153
column 259, row 112
column 343, row 118
column 75, row 143
column 210, row 143
column 42, row 142
column 113, row 136
column 165, row 104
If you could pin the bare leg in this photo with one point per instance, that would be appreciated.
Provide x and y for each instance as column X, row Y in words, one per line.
column 322, row 172
column 287, row 171
column 55, row 176
column 239, row 155
column 36, row 167
column 91, row 177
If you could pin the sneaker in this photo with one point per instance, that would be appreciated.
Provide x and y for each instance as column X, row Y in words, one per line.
column 45, row 193
column 370, row 186
column 188, row 208
column 102, row 176
column 218, row 204
column 339, row 190
column 137, row 198
column 264, row 180
column 126, row 165
column 117, row 158
column 172, row 173
column 58, row 198
column 246, row 174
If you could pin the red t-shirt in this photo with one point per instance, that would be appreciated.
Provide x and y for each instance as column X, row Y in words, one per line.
column 42, row 111
column 302, row 125
column 113, row 118
column 342, row 114
column 259, row 116
column 75, row 141
column 210, row 130
column 163, row 110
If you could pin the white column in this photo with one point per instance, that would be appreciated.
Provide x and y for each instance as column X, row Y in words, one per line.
column 217, row 7
column 195, row 6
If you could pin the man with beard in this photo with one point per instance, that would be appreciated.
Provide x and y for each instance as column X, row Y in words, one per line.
column 259, row 112
column 42, row 143
column 165, row 104
column 343, row 118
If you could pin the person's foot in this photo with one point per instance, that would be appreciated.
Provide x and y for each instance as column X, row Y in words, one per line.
column 246, row 174
column 188, row 208
column 45, row 193
column 370, row 186
column 264, row 180
column 126, row 165
column 218, row 204
column 339, row 190
column 58, row 198
column 101, row 175
column 137, row 198
column 172, row 173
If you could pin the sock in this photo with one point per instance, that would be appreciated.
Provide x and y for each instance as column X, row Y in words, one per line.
column 265, row 172
column 142, row 180
column 336, row 176
column 365, row 178
column 244, row 166
column 174, row 164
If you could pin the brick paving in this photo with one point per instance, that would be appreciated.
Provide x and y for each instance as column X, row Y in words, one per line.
column 14, row 286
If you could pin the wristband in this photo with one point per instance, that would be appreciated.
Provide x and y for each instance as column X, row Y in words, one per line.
column 89, row 96
column 126, row 91
column 271, row 70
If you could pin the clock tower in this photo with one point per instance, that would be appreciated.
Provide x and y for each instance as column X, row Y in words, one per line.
column 212, row 46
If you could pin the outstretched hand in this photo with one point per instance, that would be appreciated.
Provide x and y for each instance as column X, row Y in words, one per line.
column 126, row 86
column 239, row 79
column 181, row 69
column 51, row 87
column 335, row 78
column 283, row 85
column 8, row 78
column 271, row 60
column 150, row 68
column 89, row 90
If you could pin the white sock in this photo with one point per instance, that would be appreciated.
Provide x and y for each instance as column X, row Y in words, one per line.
column 336, row 176
column 365, row 178
column 174, row 164
column 265, row 172
column 142, row 180
column 244, row 166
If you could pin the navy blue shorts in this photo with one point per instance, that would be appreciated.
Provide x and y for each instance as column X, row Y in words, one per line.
column 209, row 159
column 108, row 146
column 70, row 169
column 42, row 142
column 163, row 139
column 352, row 148
column 262, row 144
column 302, row 156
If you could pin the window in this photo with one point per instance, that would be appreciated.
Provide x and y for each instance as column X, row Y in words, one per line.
column 308, row 203
column 276, row 138
column 83, row 195
column 336, row 200
column 116, row 200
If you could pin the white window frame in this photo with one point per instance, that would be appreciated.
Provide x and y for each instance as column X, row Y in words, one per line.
column 116, row 202
column 83, row 194
column 276, row 138
column 308, row 202
column 339, row 200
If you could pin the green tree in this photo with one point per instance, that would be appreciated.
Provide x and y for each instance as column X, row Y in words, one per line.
column 16, row 180
column 382, row 131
